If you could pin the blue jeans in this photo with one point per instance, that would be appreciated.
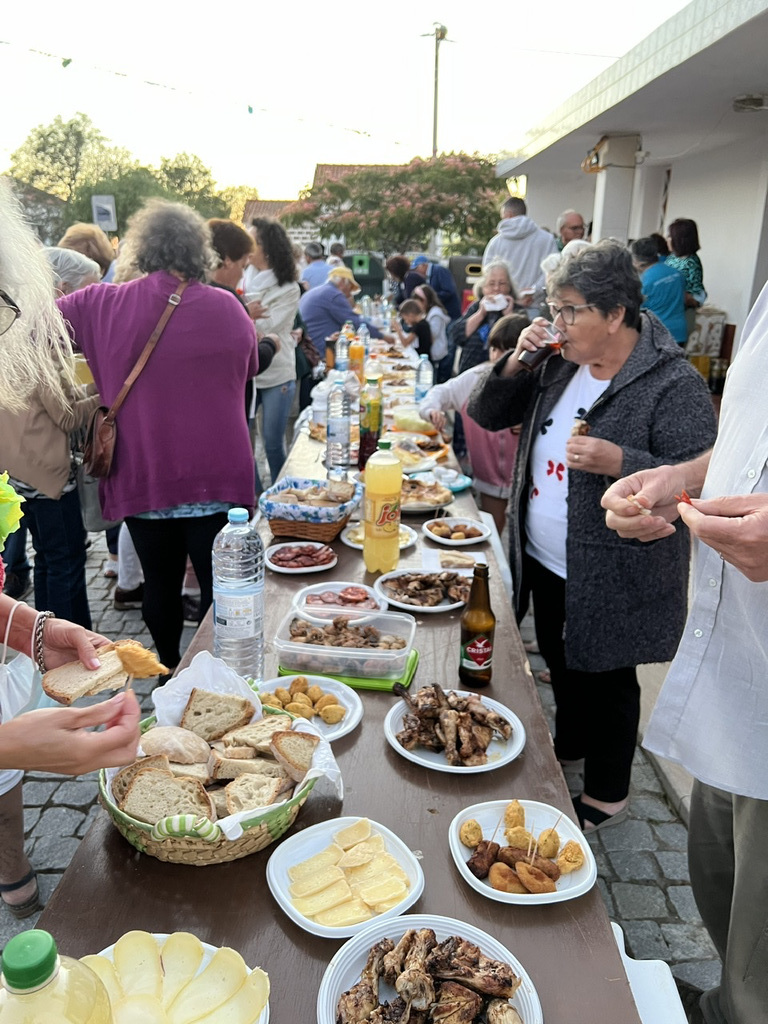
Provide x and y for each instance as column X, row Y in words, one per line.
column 277, row 402
column 58, row 537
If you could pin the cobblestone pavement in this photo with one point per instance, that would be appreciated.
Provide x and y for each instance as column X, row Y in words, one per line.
column 643, row 873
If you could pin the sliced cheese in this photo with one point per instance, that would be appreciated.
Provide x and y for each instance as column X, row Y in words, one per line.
column 361, row 853
column 139, row 1009
column 325, row 900
column 352, row 912
column 245, row 1006
column 181, row 957
column 105, row 970
column 326, row 858
column 384, row 891
column 137, row 963
column 315, row 883
column 217, row 983
column 352, row 834
column 382, row 864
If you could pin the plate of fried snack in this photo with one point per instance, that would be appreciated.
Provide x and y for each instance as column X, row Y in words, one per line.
column 521, row 851
column 158, row 977
column 428, row 968
column 455, row 533
column 335, row 877
column 333, row 707
column 453, row 730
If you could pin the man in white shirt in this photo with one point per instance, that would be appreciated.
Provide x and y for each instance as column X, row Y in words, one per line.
column 523, row 244
column 712, row 713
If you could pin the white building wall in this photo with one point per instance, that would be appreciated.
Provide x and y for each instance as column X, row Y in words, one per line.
column 548, row 195
column 725, row 192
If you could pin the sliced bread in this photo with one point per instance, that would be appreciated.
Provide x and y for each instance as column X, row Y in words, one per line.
column 218, row 795
column 251, row 791
column 294, row 750
column 257, row 734
column 154, row 794
column 221, row 767
column 211, row 715
column 190, row 771
column 125, row 776
column 68, row 682
column 179, row 745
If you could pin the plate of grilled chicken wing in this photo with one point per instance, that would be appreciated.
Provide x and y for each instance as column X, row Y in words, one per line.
column 425, row 967
column 453, row 730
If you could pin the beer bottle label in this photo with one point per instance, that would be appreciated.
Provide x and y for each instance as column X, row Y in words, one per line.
column 477, row 653
column 383, row 516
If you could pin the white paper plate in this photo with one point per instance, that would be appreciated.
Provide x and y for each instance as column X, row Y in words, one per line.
column 345, row 695
column 538, row 816
column 417, row 507
column 406, row 541
column 453, row 521
column 296, row 544
column 500, row 752
column 418, row 609
column 208, row 951
column 336, row 586
column 312, row 840
column 347, row 964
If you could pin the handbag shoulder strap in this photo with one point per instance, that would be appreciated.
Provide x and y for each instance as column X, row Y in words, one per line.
column 141, row 362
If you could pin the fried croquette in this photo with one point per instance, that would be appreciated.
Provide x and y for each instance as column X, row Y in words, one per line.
column 505, row 878
column 510, row 855
column 548, row 843
column 570, row 858
column 470, row 833
column 520, row 836
column 514, row 815
column 534, row 879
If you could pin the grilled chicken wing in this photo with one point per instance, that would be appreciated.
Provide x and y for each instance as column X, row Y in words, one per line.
column 356, row 1005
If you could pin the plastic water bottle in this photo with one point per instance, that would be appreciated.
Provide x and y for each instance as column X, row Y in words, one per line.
column 425, row 378
column 364, row 336
column 366, row 305
column 341, row 361
column 238, row 596
column 338, row 429
column 39, row 985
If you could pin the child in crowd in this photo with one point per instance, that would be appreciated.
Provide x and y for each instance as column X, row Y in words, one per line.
column 438, row 320
column 419, row 332
column 492, row 453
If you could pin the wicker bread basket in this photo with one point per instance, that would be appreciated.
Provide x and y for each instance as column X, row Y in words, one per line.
column 182, row 840
column 306, row 522
column 325, row 532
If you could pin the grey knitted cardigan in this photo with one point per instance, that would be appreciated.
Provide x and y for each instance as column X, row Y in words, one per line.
column 625, row 600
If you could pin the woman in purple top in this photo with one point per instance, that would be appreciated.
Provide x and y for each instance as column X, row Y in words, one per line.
column 183, row 454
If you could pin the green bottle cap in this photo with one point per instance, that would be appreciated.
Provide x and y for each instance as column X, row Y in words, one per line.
column 29, row 960
column 384, row 446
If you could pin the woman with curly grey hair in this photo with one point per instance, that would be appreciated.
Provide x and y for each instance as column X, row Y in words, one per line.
column 183, row 455
column 617, row 397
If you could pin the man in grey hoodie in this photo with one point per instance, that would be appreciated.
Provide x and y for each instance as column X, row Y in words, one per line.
column 523, row 245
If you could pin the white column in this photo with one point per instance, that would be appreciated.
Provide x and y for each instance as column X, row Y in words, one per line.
column 614, row 188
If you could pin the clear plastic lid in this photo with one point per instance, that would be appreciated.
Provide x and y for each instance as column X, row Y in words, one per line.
column 29, row 960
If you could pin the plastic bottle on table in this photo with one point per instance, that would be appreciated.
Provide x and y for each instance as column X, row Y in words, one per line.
column 383, row 482
column 370, row 419
column 341, row 361
column 425, row 378
column 338, row 428
column 364, row 335
column 238, row 596
column 37, row 985
column 357, row 358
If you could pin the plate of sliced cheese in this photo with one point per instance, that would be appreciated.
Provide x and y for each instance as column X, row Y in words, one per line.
column 161, row 977
column 334, row 878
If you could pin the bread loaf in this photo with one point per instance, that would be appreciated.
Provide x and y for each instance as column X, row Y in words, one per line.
column 154, row 794
column 211, row 715
column 179, row 745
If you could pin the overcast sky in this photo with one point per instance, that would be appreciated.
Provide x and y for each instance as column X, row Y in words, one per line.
column 324, row 87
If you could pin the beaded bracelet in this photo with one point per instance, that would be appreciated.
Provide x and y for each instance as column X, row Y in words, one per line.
column 38, row 650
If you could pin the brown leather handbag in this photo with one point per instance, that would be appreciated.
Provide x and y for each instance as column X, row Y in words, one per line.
column 101, row 432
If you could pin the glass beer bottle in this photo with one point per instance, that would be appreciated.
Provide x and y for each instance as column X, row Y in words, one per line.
column 478, row 624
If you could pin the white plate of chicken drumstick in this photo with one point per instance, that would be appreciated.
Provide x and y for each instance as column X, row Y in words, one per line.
column 477, row 971
column 415, row 729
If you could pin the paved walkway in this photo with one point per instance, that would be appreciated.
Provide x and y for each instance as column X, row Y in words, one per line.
column 643, row 874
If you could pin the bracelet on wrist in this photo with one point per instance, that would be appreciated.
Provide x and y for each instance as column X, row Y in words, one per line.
column 38, row 648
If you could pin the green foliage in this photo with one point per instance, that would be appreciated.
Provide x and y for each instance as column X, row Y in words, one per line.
column 236, row 196
column 396, row 210
column 130, row 189
column 54, row 157
column 186, row 177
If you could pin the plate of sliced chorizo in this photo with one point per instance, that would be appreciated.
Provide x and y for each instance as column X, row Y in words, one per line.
column 300, row 558
column 337, row 595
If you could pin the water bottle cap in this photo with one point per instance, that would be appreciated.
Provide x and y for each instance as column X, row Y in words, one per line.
column 238, row 515
column 29, row 959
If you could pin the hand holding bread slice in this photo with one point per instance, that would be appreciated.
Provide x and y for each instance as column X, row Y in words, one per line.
column 67, row 683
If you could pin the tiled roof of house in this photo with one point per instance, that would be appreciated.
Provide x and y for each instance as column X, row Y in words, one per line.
column 333, row 172
column 264, row 208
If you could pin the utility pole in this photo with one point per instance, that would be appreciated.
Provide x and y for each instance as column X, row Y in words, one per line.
column 440, row 33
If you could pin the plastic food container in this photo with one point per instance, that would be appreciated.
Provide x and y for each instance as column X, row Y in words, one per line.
column 359, row 662
column 306, row 608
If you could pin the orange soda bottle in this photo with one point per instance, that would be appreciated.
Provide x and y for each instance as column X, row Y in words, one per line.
column 383, row 483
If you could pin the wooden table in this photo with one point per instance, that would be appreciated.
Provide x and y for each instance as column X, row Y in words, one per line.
column 567, row 948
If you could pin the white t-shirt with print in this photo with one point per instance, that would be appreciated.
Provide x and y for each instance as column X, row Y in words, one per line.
column 546, row 520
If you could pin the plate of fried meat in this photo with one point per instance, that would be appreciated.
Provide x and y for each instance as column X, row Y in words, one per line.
column 453, row 730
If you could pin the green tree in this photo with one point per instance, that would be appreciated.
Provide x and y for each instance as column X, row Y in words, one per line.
column 130, row 189
column 397, row 209
column 57, row 157
column 236, row 196
column 186, row 178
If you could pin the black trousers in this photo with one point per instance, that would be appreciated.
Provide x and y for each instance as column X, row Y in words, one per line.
column 162, row 546
column 597, row 712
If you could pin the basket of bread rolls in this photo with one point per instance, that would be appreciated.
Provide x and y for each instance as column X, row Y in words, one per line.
column 217, row 776
column 310, row 509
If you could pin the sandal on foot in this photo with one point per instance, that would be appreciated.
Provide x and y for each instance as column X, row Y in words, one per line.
column 591, row 819
column 29, row 906
column 109, row 569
